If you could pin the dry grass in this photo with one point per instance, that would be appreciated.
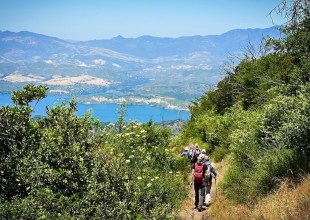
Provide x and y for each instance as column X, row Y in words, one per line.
column 187, row 212
column 289, row 202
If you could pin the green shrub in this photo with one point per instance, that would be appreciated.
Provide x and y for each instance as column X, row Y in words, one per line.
column 58, row 168
column 219, row 153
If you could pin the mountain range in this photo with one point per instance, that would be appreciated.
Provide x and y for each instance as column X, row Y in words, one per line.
column 176, row 70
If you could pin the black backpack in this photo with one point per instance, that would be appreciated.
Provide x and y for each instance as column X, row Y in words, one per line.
column 194, row 158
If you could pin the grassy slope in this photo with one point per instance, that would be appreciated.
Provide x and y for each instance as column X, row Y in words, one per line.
column 290, row 201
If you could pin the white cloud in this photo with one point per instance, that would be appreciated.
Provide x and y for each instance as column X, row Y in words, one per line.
column 99, row 62
column 116, row 65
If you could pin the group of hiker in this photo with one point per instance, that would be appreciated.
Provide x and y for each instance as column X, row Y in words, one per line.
column 202, row 173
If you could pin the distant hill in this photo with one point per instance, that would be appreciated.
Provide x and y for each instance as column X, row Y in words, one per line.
column 177, row 69
column 153, row 47
column 31, row 47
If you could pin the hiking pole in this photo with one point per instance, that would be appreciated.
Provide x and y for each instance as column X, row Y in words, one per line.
column 215, row 188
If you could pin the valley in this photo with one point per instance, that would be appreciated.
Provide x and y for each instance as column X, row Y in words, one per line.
column 164, row 72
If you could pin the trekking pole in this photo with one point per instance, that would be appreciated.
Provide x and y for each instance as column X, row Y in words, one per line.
column 215, row 188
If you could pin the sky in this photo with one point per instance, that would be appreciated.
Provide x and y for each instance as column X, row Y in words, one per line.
column 104, row 19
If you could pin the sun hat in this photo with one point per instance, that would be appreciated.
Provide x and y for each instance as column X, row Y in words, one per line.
column 201, row 157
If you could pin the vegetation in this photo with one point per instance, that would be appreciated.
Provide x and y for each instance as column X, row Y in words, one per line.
column 67, row 167
column 258, row 117
column 257, row 120
column 289, row 201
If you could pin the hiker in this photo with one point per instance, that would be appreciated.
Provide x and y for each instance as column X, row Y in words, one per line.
column 185, row 152
column 198, row 172
column 195, row 153
column 190, row 152
column 208, row 178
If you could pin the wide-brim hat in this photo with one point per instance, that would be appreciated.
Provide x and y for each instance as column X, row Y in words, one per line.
column 201, row 157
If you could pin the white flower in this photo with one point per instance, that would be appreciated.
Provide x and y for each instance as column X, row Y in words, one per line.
column 127, row 161
column 139, row 178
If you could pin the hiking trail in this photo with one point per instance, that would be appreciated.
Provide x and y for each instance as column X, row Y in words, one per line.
column 187, row 211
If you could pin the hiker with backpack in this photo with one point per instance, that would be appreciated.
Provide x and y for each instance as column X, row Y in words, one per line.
column 185, row 152
column 195, row 153
column 210, row 172
column 198, row 173
column 190, row 153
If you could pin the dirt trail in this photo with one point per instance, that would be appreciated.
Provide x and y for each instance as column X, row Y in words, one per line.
column 187, row 212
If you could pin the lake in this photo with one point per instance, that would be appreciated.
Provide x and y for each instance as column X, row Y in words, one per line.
column 107, row 112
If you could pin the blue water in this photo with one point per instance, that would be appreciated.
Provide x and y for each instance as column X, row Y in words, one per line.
column 107, row 112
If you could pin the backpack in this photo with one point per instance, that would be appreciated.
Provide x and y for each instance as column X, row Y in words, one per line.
column 198, row 177
column 194, row 158
column 189, row 154
column 197, row 152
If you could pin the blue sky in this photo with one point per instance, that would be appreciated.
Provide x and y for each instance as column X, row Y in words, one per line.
column 104, row 19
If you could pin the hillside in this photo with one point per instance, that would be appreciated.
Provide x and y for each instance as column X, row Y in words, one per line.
column 176, row 69
column 257, row 121
column 254, row 126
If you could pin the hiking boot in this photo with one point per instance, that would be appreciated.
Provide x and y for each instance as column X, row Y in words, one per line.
column 195, row 207
column 199, row 209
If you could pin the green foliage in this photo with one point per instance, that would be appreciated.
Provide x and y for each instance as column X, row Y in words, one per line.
column 259, row 115
column 17, row 137
column 66, row 167
column 286, row 123
column 28, row 94
column 122, row 112
column 268, row 144
column 219, row 153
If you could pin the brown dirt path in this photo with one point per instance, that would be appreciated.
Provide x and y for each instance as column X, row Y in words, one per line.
column 187, row 212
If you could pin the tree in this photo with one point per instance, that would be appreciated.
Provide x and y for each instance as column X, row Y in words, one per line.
column 28, row 94
column 19, row 137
